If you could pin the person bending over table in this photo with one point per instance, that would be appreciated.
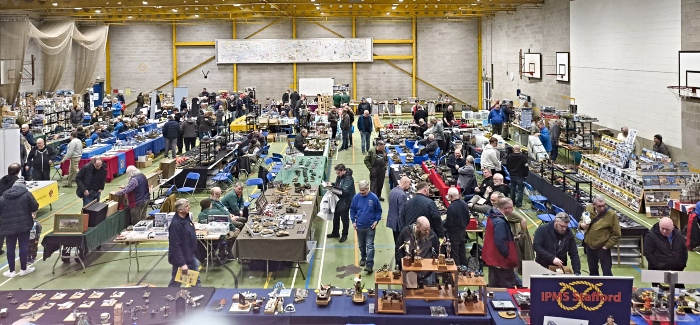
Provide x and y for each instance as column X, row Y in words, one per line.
column 219, row 208
column 553, row 241
column 418, row 234
column 430, row 144
column 91, row 180
column 137, row 193
column 182, row 243
column 300, row 140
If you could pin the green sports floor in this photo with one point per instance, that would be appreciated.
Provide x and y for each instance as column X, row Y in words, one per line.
column 332, row 262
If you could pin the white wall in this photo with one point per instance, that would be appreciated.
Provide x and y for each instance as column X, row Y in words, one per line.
column 624, row 53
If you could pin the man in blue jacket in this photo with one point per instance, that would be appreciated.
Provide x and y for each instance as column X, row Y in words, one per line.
column 544, row 137
column 364, row 124
column 496, row 118
column 365, row 213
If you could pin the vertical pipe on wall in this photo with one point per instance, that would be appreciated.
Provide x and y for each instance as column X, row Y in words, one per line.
column 414, row 73
column 480, row 68
column 235, row 66
column 354, row 65
column 108, row 68
column 174, row 56
column 294, row 65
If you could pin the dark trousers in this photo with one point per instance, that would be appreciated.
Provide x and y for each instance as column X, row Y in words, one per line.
column 23, row 240
column 338, row 216
column 602, row 256
column 496, row 129
column 334, row 130
column 41, row 175
column 501, row 278
column 441, row 144
column 396, row 247
column 517, row 187
column 376, row 183
column 347, row 136
column 190, row 143
column 458, row 252
column 180, row 144
column 555, row 152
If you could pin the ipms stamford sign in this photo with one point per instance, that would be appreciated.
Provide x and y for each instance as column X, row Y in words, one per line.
column 577, row 297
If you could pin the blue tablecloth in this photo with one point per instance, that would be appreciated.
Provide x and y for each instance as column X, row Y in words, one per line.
column 342, row 310
column 127, row 134
column 111, row 140
column 95, row 150
column 154, row 145
column 149, row 127
column 121, row 157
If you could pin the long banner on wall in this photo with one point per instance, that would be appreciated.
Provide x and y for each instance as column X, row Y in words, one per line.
column 316, row 50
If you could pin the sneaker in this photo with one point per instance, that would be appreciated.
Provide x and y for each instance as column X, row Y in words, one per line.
column 344, row 238
column 31, row 261
column 2, row 252
column 27, row 271
column 332, row 236
column 381, row 199
column 9, row 274
column 369, row 270
column 362, row 262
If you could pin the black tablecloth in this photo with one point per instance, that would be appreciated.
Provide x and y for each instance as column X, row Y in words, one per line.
column 91, row 239
column 55, row 316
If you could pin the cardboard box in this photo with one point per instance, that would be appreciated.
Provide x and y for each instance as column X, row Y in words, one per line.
column 168, row 167
column 270, row 138
column 145, row 164
column 152, row 178
column 112, row 208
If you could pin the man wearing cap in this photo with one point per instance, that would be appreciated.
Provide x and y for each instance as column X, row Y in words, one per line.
column 660, row 146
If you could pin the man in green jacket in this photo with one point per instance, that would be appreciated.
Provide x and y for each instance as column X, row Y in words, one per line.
column 336, row 99
column 233, row 200
column 345, row 98
column 377, row 161
column 602, row 235
column 220, row 209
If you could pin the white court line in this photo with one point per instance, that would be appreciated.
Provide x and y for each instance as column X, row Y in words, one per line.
column 323, row 256
column 294, row 279
column 526, row 216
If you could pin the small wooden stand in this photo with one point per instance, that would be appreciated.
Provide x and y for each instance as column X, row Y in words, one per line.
column 390, row 306
column 441, row 262
column 358, row 298
column 417, row 261
column 472, row 308
column 406, row 261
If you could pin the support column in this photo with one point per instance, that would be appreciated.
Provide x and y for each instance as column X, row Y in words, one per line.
column 480, row 78
column 174, row 55
column 235, row 66
column 294, row 65
column 354, row 64
column 414, row 73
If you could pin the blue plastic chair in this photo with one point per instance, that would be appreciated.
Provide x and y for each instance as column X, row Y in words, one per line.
column 410, row 143
column 557, row 209
column 419, row 159
column 546, row 216
column 278, row 156
column 268, row 160
column 254, row 182
column 263, row 151
column 573, row 224
column 190, row 189
column 225, row 174
column 88, row 142
column 533, row 198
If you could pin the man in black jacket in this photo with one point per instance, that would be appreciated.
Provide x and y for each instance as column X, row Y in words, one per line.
column 664, row 247
column 455, row 162
column 418, row 234
column 91, row 180
column 420, row 114
column 422, row 206
column 39, row 160
column 285, row 97
column 364, row 106
column 518, row 168
column 431, row 145
column 553, row 241
column 171, row 129
column 6, row 182
column 300, row 140
column 377, row 161
column 182, row 243
column 344, row 188
column 345, row 129
column 293, row 98
column 456, row 224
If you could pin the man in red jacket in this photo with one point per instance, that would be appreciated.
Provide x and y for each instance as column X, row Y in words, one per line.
column 499, row 252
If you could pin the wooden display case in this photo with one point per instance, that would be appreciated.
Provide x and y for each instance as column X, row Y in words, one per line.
column 476, row 308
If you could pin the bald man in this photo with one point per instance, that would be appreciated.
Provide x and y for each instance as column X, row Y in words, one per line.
column 455, row 224
column 419, row 234
column 664, row 247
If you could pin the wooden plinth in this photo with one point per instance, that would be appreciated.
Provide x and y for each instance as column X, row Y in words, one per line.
column 470, row 309
column 390, row 307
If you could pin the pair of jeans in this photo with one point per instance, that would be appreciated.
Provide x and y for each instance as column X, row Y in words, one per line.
column 338, row 216
column 94, row 195
column 193, row 266
column 555, row 152
column 346, row 136
column 602, row 256
column 170, row 145
column 12, row 241
column 365, row 241
column 517, row 187
column 366, row 138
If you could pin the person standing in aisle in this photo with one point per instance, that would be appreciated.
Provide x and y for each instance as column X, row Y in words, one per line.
column 439, row 132
column 352, row 121
column 602, row 235
column 116, row 108
column 345, row 98
column 397, row 200
column 544, row 136
column 336, row 99
column 170, row 132
column 345, row 126
column 73, row 153
column 455, row 224
column 364, row 106
column 377, row 161
column 422, row 206
column 333, row 121
column 365, row 213
column 500, row 253
column 205, row 123
column 285, row 97
column 554, row 133
column 553, row 241
column 496, row 118
column 6, row 182
column 189, row 133
column 34, row 235
column 17, row 210
column 344, row 188
column 293, row 98
column 518, row 167
column 76, row 116
column 491, row 157
column 364, row 125
column 182, row 243
column 137, row 193
column 24, row 131
column 91, row 180
column 39, row 161
column 140, row 101
column 664, row 248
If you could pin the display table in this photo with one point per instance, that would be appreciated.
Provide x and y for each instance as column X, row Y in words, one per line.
column 286, row 175
column 116, row 165
column 54, row 315
column 401, row 153
column 95, row 150
column 126, row 135
column 238, row 125
column 682, row 207
column 45, row 192
column 84, row 243
column 341, row 310
column 436, row 180
column 203, row 171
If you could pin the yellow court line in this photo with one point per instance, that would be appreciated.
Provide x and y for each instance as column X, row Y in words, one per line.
column 267, row 283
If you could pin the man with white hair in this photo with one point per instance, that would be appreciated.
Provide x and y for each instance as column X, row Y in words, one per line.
column 27, row 134
column 498, row 186
column 456, row 224
column 430, row 144
column 137, row 193
column 221, row 209
column 365, row 214
column 602, row 235
column 664, row 247
column 364, row 125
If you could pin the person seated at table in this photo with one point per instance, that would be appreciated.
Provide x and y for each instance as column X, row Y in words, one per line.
column 119, row 125
column 498, row 186
column 225, row 241
column 455, row 162
column 220, row 209
column 253, row 148
column 96, row 114
column 466, row 179
column 421, row 128
column 485, row 206
column 431, row 145
column 80, row 131
column 300, row 140
column 234, row 202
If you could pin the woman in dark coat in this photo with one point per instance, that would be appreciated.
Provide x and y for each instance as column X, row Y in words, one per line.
column 17, row 207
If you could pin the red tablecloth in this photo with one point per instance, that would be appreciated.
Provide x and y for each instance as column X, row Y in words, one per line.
column 112, row 166
column 436, row 180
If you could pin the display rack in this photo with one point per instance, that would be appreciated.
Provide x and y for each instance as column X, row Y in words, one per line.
column 398, row 306
column 584, row 134
column 207, row 152
column 476, row 308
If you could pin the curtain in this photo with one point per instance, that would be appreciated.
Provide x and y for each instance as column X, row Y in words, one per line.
column 12, row 31
column 55, row 39
column 92, row 41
